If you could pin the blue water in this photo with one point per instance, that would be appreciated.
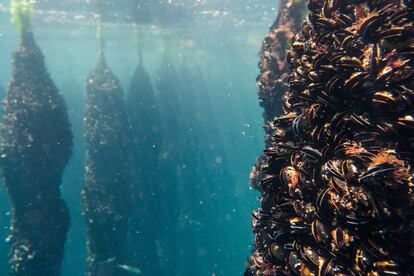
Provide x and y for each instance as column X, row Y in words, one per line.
column 221, row 40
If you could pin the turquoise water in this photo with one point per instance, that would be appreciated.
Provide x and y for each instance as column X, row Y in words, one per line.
column 219, row 42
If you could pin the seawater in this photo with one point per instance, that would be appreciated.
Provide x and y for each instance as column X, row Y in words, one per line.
column 219, row 40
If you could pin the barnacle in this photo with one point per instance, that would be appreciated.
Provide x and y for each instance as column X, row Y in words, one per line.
column 349, row 142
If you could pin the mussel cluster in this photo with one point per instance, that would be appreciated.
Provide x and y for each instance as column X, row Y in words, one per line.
column 273, row 66
column 274, row 70
column 338, row 195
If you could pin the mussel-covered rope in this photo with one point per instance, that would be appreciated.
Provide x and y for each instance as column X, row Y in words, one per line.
column 108, row 191
column 337, row 198
column 272, row 80
column 36, row 143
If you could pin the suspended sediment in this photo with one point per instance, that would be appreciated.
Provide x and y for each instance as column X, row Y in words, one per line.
column 338, row 194
column 36, row 143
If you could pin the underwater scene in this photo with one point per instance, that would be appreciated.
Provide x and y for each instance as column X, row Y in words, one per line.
column 206, row 137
